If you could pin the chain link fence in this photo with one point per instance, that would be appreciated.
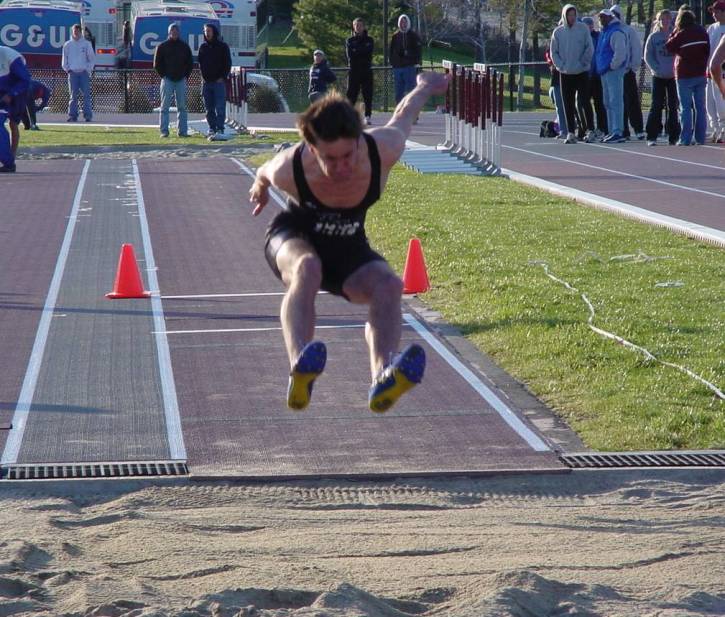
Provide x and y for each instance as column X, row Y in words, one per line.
column 117, row 91
column 137, row 90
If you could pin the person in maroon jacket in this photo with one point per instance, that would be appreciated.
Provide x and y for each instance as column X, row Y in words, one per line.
column 691, row 45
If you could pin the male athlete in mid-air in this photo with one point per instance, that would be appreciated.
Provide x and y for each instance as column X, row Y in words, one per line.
column 331, row 178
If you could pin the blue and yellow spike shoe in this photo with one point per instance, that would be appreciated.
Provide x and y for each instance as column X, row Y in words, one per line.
column 397, row 378
column 308, row 367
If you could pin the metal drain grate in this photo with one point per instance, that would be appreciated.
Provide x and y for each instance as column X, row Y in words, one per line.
column 591, row 460
column 94, row 470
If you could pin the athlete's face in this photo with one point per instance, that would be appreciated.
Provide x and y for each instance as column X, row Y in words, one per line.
column 338, row 158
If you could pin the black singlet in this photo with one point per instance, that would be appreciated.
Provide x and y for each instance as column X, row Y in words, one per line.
column 326, row 223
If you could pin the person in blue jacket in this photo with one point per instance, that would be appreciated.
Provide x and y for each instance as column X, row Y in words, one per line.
column 36, row 99
column 320, row 76
column 14, row 82
column 611, row 62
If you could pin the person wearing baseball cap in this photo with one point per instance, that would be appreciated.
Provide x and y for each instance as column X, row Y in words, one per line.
column 321, row 76
column 715, row 103
column 611, row 63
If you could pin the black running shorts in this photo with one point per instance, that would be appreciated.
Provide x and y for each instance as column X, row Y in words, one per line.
column 339, row 257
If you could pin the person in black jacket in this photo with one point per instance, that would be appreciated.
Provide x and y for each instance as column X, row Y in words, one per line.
column 215, row 62
column 173, row 63
column 320, row 76
column 405, row 55
column 359, row 51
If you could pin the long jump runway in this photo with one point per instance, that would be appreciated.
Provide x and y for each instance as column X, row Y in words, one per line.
column 197, row 374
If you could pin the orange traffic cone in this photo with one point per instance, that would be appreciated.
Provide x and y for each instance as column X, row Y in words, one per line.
column 128, row 279
column 415, row 276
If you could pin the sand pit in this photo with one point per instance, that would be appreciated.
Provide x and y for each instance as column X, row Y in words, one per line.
column 588, row 543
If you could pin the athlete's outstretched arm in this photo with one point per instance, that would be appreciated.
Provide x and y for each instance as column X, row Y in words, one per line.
column 406, row 113
column 276, row 172
column 716, row 62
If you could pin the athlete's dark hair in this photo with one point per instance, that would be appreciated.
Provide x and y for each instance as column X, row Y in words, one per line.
column 329, row 118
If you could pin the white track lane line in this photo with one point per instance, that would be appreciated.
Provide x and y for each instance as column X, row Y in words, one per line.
column 634, row 152
column 27, row 391
column 269, row 329
column 620, row 173
column 488, row 395
column 177, row 449
column 252, row 294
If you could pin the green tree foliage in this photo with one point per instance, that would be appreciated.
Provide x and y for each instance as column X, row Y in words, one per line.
column 326, row 24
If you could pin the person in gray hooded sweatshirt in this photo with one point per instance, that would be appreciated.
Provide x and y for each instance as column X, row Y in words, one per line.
column 571, row 52
column 662, row 65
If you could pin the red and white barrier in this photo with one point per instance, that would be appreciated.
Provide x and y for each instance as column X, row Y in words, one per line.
column 237, row 99
column 474, row 115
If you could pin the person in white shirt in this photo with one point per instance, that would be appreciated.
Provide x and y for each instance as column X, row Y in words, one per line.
column 78, row 61
column 715, row 103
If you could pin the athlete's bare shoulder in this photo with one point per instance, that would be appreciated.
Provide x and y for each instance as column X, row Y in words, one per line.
column 280, row 169
column 390, row 141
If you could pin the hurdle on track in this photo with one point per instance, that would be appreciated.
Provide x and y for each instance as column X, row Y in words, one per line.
column 474, row 115
column 237, row 99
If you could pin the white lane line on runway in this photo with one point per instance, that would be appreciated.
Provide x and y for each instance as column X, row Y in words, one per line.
column 270, row 329
column 488, row 395
column 633, row 152
column 177, row 450
column 693, row 230
column 254, row 294
column 620, row 173
column 27, row 391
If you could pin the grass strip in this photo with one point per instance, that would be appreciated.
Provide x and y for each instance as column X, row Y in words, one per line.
column 99, row 135
column 484, row 241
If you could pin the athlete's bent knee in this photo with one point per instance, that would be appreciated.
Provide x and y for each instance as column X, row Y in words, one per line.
column 389, row 287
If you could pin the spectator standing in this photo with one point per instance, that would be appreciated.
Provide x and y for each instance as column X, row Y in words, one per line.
column 571, row 52
column 555, row 95
column 173, row 62
column 405, row 55
column 595, row 87
column 14, row 83
column 632, row 106
column 611, row 63
column 320, row 76
column 359, row 52
column 691, row 45
column 714, row 103
column 718, row 59
column 78, row 62
column 662, row 65
column 36, row 99
column 215, row 62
